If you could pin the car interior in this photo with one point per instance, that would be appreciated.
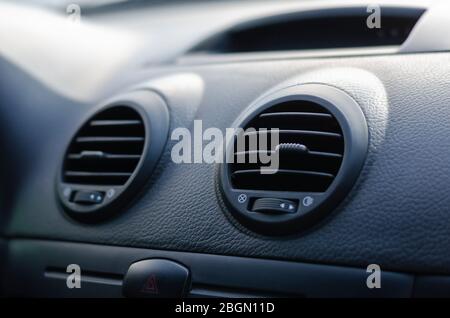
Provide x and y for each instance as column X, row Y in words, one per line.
column 224, row 149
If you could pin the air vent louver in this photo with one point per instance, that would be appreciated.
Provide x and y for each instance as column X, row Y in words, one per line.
column 321, row 147
column 112, row 155
column 311, row 149
column 107, row 149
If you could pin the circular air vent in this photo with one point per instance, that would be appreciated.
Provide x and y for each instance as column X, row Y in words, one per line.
column 107, row 148
column 316, row 138
column 112, row 154
column 311, row 147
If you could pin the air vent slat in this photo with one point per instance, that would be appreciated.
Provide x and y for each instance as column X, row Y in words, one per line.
column 290, row 120
column 309, row 153
column 107, row 149
column 283, row 171
column 297, row 133
column 115, row 122
column 96, row 174
column 310, row 149
column 291, row 161
column 293, row 115
column 288, row 180
column 102, row 165
column 79, row 156
column 325, row 154
column 109, row 139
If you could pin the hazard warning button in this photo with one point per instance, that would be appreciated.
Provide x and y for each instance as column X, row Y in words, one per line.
column 156, row 278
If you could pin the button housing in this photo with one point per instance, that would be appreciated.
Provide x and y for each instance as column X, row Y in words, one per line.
column 156, row 278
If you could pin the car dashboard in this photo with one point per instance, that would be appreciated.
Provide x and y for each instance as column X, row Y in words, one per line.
column 105, row 123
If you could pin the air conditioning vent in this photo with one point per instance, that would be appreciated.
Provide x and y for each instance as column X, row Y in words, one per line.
column 113, row 154
column 107, row 149
column 321, row 147
column 310, row 151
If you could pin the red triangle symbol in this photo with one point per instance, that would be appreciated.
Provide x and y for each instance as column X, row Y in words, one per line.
column 150, row 285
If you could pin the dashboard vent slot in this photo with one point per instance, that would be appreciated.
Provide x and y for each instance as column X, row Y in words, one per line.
column 107, row 149
column 314, row 30
column 311, row 149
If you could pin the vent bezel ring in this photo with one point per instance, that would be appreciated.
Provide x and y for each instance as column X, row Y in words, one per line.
column 155, row 117
column 356, row 139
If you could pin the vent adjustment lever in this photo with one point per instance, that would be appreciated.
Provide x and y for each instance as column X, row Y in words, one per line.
column 273, row 205
column 88, row 197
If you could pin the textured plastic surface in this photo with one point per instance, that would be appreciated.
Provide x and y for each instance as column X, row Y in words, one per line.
column 103, row 269
column 397, row 214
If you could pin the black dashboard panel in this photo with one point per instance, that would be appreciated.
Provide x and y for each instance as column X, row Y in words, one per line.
column 326, row 28
column 211, row 275
column 396, row 215
column 180, row 210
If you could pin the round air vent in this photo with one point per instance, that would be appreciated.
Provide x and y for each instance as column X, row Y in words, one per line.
column 107, row 148
column 319, row 148
column 112, row 155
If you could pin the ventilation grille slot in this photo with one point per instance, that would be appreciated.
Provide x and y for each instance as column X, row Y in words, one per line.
column 107, row 149
column 314, row 30
column 311, row 149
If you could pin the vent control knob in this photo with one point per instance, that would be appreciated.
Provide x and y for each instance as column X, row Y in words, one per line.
column 273, row 205
column 88, row 197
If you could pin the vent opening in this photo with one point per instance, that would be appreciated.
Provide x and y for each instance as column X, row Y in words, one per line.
column 313, row 30
column 107, row 149
column 321, row 147
column 300, row 123
column 112, row 155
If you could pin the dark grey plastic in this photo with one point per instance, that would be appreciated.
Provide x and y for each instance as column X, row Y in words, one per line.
column 103, row 269
column 354, row 129
column 155, row 116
